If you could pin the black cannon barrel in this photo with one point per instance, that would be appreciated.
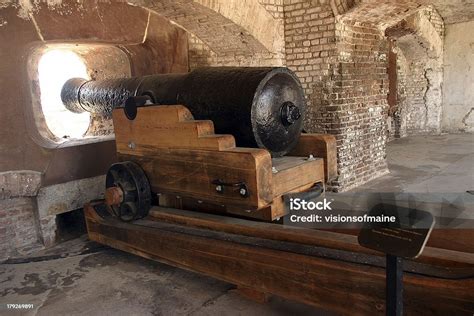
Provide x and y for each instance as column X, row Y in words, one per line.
column 261, row 106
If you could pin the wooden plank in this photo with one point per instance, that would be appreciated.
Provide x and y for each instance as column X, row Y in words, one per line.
column 165, row 126
column 275, row 211
column 295, row 172
column 318, row 238
column 342, row 287
column 458, row 239
column 454, row 239
column 321, row 146
column 259, row 229
column 191, row 172
column 461, row 240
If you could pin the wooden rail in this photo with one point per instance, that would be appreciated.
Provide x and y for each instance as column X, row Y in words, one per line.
column 312, row 268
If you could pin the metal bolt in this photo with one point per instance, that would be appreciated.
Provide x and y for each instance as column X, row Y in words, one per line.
column 243, row 191
column 274, row 170
column 219, row 188
column 131, row 145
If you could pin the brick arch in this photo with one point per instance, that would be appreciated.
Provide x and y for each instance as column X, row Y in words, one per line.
column 419, row 48
column 340, row 7
column 226, row 26
column 382, row 13
column 417, row 35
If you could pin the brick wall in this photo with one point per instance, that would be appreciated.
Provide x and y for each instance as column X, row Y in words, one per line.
column 416, row 86
column 17, row 227
column 436, row 20
column 18, row 223
column 342, row 6
column 362, row 103
column 310, row 40
column 419, row 48
column 275, row 7
column 398, row 128
column 343, row 68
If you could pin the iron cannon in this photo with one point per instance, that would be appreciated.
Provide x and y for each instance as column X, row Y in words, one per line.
column 261, row 107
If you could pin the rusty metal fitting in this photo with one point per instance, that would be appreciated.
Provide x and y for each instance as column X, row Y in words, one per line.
column 113, row 196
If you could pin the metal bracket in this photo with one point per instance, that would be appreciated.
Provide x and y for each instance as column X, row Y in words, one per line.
column 313, row 193
column 241, row 186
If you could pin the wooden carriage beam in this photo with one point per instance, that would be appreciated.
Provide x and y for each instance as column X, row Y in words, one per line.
column 343, row 287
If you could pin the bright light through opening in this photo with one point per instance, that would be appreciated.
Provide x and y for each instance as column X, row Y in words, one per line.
column 54, row 69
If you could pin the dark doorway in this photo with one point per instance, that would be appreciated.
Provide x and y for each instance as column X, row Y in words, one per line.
column 70, row 225
column 392, row 81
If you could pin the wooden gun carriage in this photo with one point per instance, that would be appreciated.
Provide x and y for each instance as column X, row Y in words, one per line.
column 191, row 198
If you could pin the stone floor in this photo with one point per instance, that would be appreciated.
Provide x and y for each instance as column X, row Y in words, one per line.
column 82, row 278
column 428, row 164
column 89, row 279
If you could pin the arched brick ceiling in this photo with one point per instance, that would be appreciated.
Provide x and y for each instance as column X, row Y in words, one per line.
column 385, row 13
column 416, row 36
column 382, row 13
column 454, row 11
column 340, row 7
column 226, row 26
column 253, row 17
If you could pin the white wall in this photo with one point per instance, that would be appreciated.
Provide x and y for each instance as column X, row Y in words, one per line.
column 458, row 91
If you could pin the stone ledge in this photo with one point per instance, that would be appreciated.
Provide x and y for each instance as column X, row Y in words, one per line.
column 68, row 196
column 19, row 183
